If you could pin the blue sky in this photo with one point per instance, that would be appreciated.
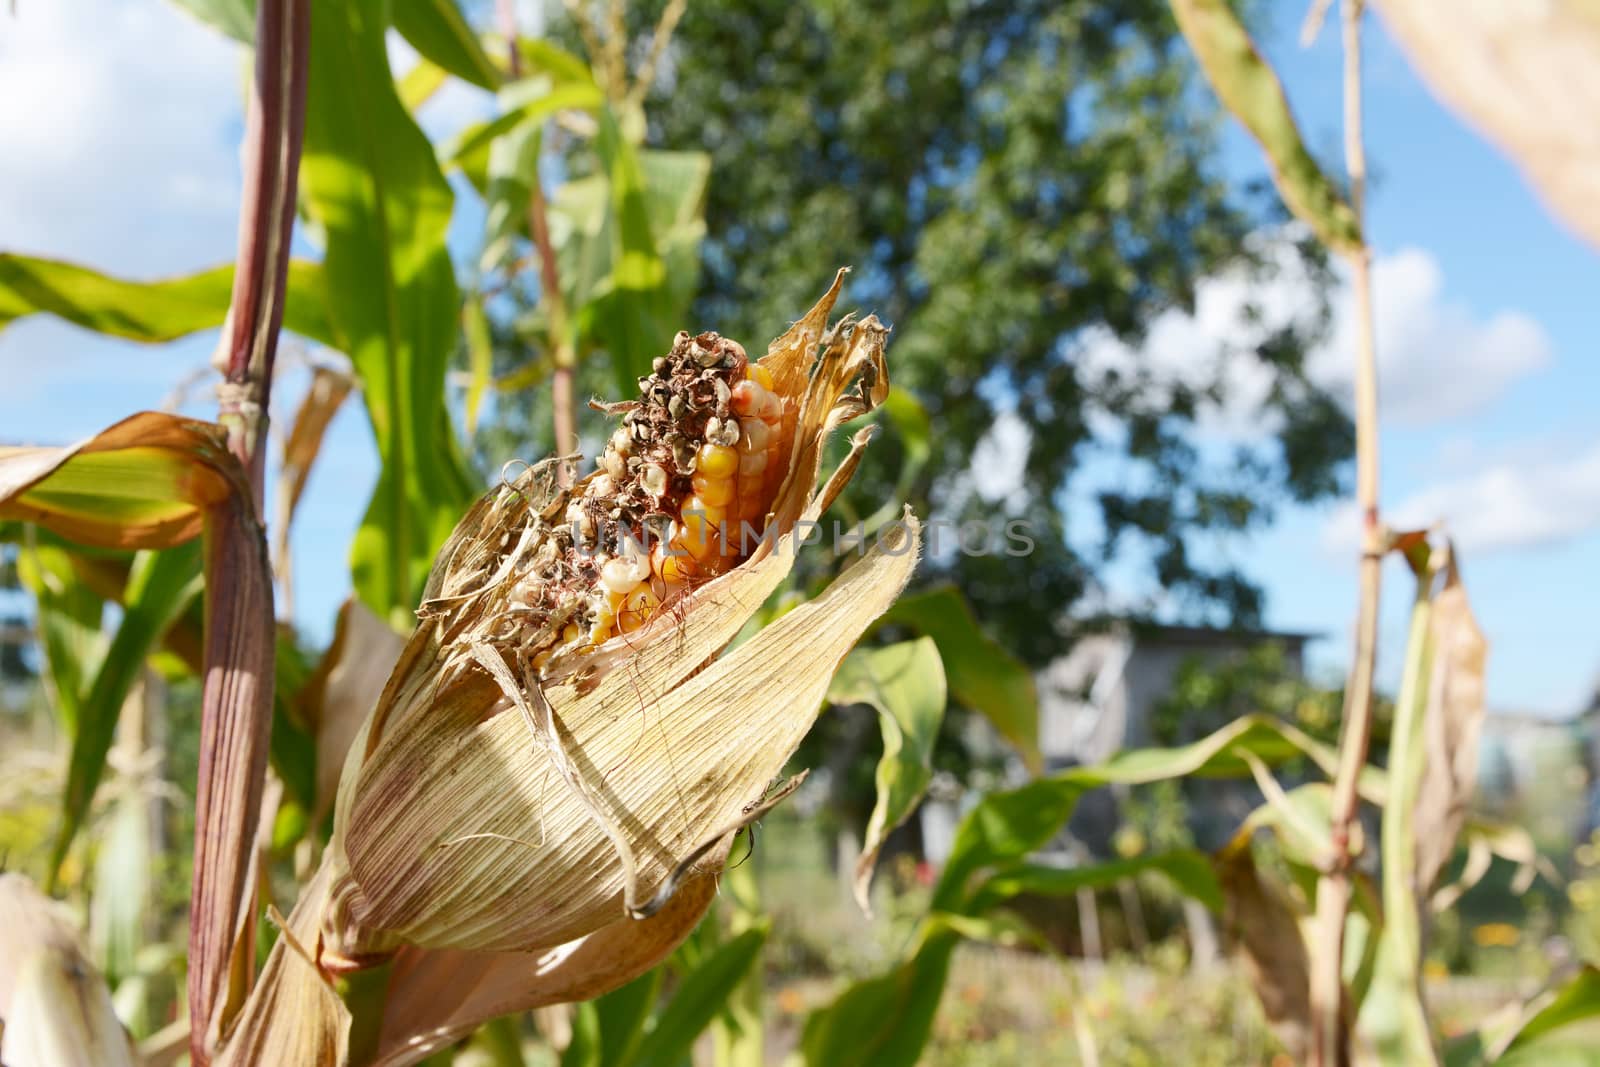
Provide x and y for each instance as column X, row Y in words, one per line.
column 122, row 119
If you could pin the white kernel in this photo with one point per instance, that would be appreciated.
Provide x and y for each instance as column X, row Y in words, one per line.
column 615, row 576
column 630, row 567
column 654, row 479
column 752, row 463
column 756, row 434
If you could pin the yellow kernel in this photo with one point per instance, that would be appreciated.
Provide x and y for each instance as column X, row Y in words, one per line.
column 600, row 630
column 714, row 491
column 698, row 537
column 541, row 658
column 673, row 564
column 717, row 461
column 703, row 509
column 761, row 376
column 571, row 632
column 638, row 608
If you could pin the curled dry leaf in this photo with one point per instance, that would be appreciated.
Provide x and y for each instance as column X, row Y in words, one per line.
column 1452, row 720
column 54, row 1008
column 145, row 482
column 537, row 807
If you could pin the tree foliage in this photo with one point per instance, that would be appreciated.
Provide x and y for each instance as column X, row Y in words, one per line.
column 1012, row 183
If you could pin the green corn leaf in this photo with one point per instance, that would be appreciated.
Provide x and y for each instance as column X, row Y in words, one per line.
column 435, row 28
column 1441, row 688
column 370, row 179
column 417, row 86
column 160, row 587
column 884, row 1021
column 583, row 1048
column 1250, row 89
column 1005, row 827
column 981, row 674
column 480, row 357
column 542, row 56
column 236, row 18
column 1189, row 870
column 622, row 1014
column 441, row 35
column 633, row 317
column 68, row 616
column 153, row 311
column 527, row 105
column 1576, row 1002
column 293, row 750
column 124, row 890
column 905, row 683
column 700, row 997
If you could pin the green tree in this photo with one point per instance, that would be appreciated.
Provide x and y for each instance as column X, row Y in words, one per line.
column 1008, row 180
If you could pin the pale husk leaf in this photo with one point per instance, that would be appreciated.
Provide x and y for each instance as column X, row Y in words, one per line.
column 671, row 762
column 438, row 995
column 292, row 1014
column 54, row 1006
column 593, row 764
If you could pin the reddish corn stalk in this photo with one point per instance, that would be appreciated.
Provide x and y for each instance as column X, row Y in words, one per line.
column 1330, row 1044
column 239, row 637
column 563, row 399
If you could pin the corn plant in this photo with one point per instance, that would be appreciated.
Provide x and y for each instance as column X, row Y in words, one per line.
column 578, row 614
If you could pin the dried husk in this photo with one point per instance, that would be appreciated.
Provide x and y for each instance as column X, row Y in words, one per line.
column 625, row 784
column 493, row 859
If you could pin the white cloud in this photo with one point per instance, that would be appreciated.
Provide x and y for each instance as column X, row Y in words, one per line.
column 1437, row 359
column 1514, row 502
column 121, row 124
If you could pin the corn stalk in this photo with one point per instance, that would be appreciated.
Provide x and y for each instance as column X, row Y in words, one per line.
column 1329, row 1034
column 239, row 633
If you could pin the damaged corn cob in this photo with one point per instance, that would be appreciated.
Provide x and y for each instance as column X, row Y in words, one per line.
column 680, row 495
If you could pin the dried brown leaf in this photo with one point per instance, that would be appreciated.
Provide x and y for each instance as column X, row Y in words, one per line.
column 321, row 403
column 1265, row 932
column 345, row 688
column 671, row 760
column 1451, row 723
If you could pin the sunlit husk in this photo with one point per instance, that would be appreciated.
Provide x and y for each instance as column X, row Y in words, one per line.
column 673, row 762
column 463, row 830
column 488, row 862
column 292, row 1015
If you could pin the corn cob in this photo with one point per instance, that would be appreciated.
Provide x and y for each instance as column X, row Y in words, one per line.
column 680, row 495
